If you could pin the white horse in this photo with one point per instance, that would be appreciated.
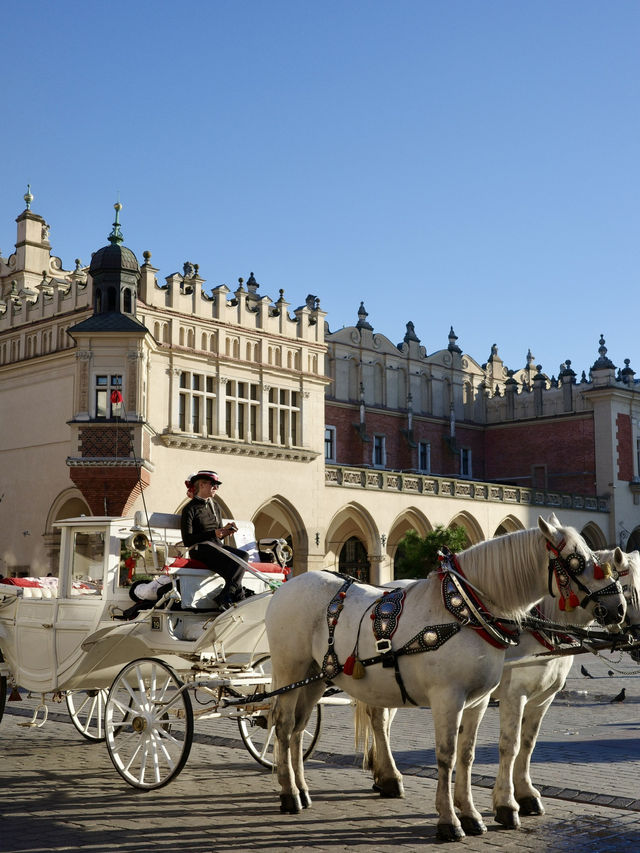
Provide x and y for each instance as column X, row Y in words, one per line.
column 531, row 678
column 317, row 623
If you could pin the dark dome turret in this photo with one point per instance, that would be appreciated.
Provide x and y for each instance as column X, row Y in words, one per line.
column 115, row 272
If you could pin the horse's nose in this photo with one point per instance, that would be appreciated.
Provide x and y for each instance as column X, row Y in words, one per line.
column 621, row 612
column 606, row 617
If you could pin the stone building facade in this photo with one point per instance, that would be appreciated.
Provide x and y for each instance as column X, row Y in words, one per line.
column 114, row 385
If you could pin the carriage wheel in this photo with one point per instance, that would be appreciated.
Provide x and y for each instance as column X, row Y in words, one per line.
column 148, row 724
column 86, row 709
column 259, row 738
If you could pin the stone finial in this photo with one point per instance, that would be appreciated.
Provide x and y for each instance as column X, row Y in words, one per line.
column 453, row 347
column 362, row 318
column 147, row 256
column 28, row 197
column 410, row 335
column 530, row 358
column 604, row 362
column 627, row 374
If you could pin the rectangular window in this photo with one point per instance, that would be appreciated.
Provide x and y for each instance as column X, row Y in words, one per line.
column 108, row 396
column 241, row 410
column 196, row 404
column 379, row 451
column 284, row 417
column 465, row 462
column 424, row 457
column 330, row 443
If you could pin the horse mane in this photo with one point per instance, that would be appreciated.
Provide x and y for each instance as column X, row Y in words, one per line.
column 633, row 601
column 507, row 569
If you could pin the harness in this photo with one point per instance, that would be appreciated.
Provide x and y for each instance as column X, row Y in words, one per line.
column 567, row 569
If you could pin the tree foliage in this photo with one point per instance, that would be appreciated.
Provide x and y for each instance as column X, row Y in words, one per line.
column 418, row 555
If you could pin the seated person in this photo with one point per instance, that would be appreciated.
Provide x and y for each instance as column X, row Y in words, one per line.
column 202, row 531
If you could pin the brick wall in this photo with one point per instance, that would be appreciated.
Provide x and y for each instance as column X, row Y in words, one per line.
column 624, row 448
column 110, row 490
column 566, row 447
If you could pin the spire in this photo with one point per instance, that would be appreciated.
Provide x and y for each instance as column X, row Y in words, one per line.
column 116, row 235
column 28, row 197
column 604, row 361
column 453, row 347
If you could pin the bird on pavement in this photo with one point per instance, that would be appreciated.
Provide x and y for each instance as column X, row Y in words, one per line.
column 620, row 697
column 610, row 672
column 585, row 672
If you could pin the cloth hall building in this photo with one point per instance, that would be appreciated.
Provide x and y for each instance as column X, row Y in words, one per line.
column 115, row 384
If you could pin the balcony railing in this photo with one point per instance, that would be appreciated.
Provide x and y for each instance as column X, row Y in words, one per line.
column 449, row 487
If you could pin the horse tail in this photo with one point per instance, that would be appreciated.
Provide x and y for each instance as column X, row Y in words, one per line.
column 363, row 735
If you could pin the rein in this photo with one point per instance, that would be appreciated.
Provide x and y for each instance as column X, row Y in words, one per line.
column 567, row 570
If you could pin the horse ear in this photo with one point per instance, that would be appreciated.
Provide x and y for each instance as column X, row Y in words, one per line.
column 618, row 557
column 549, row 532
column 554, row 520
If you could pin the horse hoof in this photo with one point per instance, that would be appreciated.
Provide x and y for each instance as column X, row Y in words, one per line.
column 531, row 806
column 305, row 800
column 508, row 818
column 472, row 826
column 449, row 832
column 392, row 789
column 290, row 804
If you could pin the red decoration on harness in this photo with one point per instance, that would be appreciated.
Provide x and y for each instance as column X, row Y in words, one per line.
column 574, row 601
column 598, row 572
column 15, row 696
column 342, row 594
column 561, row 603
column 349, row 664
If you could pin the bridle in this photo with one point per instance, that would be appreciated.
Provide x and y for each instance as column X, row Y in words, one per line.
column 567, row 570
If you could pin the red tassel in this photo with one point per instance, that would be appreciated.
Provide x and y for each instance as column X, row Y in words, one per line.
column 349, row 664
column 574, row 601
column 15, row 696
column 561, row 603
column 598, row 573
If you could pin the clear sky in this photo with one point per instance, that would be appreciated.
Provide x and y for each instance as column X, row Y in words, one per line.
column 454, row 162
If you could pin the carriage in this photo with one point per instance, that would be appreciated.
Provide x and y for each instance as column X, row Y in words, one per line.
column 130, row 681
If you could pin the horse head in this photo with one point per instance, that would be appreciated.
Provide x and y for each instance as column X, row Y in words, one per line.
column 578, row 578
column 629, row 573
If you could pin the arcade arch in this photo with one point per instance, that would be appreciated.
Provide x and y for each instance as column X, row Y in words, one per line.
column 353, row 543
column 595, row 538
column 471, row 526
column 510, row 524
column 279, row 519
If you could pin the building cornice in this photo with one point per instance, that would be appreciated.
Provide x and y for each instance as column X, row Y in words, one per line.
column 234, row 448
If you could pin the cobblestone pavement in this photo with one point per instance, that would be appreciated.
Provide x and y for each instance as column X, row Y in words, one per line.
column 61, row 793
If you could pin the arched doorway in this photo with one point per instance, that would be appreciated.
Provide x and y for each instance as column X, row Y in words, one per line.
column 353, row 560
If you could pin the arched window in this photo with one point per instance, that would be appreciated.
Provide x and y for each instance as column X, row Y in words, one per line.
column 126, row 302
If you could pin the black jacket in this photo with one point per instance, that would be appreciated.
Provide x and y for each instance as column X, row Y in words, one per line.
column 200, row 518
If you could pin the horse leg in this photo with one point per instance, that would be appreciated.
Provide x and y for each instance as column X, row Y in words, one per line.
column 307, row 699
column 376, row 723
column 446, row 722
column 283, row 719
column 526, row 794
column 470, row 817
column 505, row 805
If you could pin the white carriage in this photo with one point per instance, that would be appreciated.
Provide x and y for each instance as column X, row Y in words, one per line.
column 130, row 682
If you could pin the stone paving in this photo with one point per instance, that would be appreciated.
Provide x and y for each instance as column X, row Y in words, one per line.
column 61, row 793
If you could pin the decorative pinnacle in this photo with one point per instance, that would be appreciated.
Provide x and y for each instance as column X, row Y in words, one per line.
column 116, row 235
column 28, row 197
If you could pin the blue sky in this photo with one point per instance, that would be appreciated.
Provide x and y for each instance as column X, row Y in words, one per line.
column 460, row 163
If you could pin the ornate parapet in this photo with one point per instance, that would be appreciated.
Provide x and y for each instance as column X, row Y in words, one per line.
column 350, row 477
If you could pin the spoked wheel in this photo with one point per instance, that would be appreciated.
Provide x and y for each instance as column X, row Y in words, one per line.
column 259, row 738
column 148, row 724
column 86, row 709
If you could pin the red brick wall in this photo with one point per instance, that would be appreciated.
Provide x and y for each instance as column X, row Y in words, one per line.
column 625, row 450
column 110, row 491
column 565, row 446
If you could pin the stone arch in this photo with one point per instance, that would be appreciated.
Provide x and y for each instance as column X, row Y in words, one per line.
column 464, row 519
column 509, row 524
column 410, row 519
column 595, row 538
column 352, row 521
column 278, row 518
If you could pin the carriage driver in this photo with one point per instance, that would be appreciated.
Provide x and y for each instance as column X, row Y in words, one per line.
column 201, row 527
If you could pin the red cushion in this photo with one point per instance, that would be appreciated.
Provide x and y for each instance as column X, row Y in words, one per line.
column 187, row 563
column 21, row 582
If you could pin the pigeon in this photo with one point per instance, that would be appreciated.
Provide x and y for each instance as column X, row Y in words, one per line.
column 620, row 697
column 610, row 672
column 585, row 672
